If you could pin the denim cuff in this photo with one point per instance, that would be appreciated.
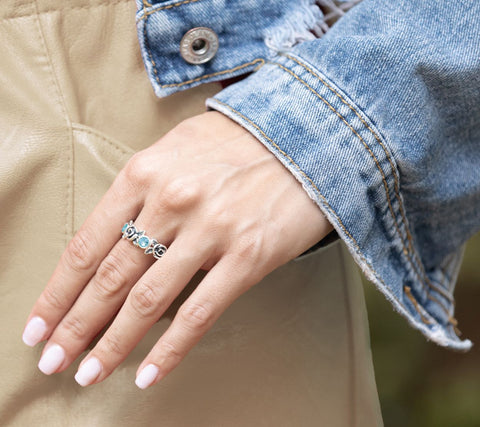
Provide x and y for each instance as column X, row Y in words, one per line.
column 343, row 163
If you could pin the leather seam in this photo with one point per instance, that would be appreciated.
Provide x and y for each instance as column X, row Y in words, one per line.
column 68, row 230
column 81, row 129
column 63, row 9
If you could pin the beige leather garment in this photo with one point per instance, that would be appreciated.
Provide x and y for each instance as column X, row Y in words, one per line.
column 75, row 104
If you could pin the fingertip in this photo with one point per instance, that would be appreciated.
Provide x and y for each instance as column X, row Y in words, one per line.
column 147, row 376
column 34, row 331
column 52, row 359
column 88, row 372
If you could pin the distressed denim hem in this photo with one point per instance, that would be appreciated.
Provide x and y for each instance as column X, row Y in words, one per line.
column 351, row 176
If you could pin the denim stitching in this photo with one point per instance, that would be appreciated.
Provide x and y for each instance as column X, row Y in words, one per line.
column 394, row 169
column 436, row 300
column 451, row 318
column 416, row 304
column 445, row 279
column 396, row 184
column 354, row 242
column 259, row 61
column 364, row 144
column 349, row 126
column 170, row 6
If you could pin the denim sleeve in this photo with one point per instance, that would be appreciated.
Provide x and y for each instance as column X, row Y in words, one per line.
column 379, row 120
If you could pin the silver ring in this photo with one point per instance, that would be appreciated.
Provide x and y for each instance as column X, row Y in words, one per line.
column 140, row 239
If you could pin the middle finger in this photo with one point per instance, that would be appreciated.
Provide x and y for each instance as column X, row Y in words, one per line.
column 100, row 299
column 146, row 302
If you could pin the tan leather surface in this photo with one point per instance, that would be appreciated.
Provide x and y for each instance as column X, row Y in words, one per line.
column 75, row 104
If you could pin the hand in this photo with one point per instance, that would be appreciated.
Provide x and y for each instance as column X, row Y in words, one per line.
column 220, row 201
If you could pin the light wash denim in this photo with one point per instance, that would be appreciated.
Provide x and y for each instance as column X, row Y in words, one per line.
column 379, row 120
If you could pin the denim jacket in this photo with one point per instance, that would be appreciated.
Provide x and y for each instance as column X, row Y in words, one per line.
column 379, row 119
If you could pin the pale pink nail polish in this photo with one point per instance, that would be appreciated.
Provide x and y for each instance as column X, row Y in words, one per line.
column 34, row 331
column 147, row 376
column 52, row 359
column 88, row 372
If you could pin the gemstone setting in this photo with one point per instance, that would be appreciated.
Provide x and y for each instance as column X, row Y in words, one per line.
column 143, row 242
column 138, row 238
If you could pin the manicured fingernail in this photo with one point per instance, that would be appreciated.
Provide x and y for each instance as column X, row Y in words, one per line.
column 52, row 359
column 147, row 376
column 88, row 372
column 34, row 331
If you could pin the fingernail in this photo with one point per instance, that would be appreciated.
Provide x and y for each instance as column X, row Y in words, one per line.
column 88, row 372
column 34, row 331
column 147, row 376
column 51, row 359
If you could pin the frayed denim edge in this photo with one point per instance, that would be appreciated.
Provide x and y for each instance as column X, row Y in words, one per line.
column 437, row 333
column 295, row 28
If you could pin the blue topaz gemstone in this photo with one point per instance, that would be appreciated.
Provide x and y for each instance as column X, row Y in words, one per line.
column 143, row 242
column 124, row 227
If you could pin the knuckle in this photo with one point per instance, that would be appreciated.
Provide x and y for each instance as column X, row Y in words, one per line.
column 54, row 299
column 109, row 278
column 196, row 317
column 248, row 260
column 75, row 327
column 249, row 247
column 137, row 170
column 144, row 300
column 113, row 345
column 170, row 351
column 180, row 193
column 78, row 254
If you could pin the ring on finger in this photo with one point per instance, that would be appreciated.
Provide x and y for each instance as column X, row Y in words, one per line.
column 140, row 239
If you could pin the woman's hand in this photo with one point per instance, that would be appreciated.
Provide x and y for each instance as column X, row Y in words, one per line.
column 220, row 201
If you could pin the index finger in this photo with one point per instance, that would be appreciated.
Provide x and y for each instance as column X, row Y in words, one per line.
column 78, row 263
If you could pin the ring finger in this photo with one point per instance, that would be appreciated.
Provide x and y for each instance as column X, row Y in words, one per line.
column 102, row 297
column 145, row 304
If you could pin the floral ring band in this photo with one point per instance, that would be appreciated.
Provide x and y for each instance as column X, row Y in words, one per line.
column 141, row 240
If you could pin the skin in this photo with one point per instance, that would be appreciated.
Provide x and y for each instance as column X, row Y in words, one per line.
column 220, row 201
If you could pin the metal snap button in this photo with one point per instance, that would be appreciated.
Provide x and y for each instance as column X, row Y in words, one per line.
column 199, row 45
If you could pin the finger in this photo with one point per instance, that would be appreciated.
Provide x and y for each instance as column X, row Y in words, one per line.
column 218, row 289
column 101, row 298
column 145, row 304
column 92, row 242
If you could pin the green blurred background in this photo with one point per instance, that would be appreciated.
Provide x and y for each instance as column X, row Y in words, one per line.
column 420, row 383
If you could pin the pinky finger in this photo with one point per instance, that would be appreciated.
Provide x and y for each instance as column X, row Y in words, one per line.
column 217, row 291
